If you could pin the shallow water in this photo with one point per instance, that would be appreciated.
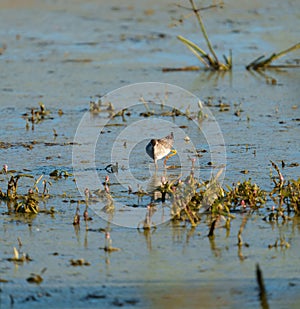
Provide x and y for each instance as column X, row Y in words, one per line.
column 64, row 52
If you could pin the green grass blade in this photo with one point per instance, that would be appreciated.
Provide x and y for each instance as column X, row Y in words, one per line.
column 192, row 45
column 195, row 49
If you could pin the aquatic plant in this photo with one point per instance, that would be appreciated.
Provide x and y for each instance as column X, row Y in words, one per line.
column 29, row 204
column 12, row 185
column 241, row 229
column 245, row 194
column 210, row 60
column 17, row 258
column 147, row 222
column 23, row 203
column 97, row 106
column 285, row 193
column 108, row 244
column 262, row 62
column 190, row 198
column 76, row 220
column 36, row 115
column 56, row 174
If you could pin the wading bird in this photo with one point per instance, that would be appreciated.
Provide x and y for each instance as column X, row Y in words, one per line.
column 160, row 148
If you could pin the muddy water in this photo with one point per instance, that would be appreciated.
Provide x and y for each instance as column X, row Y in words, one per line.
column 61, row 53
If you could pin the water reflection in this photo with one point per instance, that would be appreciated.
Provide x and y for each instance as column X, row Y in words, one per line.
column 147, row 233
column 134, row 208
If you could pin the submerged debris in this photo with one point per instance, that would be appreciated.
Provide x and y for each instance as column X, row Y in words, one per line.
column 36, row 278
column 79, row 262
column 19, row 259
column 56, row 174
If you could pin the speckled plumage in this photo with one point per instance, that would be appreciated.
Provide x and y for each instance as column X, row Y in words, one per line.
column 159, row 148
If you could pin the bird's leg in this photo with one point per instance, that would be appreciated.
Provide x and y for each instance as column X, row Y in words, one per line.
column 173, row 152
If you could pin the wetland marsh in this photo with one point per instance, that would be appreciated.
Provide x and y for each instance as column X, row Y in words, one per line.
column 64, row 54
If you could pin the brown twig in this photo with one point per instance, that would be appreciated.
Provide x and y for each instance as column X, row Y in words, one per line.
column 198, row 16
column 187, row 68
